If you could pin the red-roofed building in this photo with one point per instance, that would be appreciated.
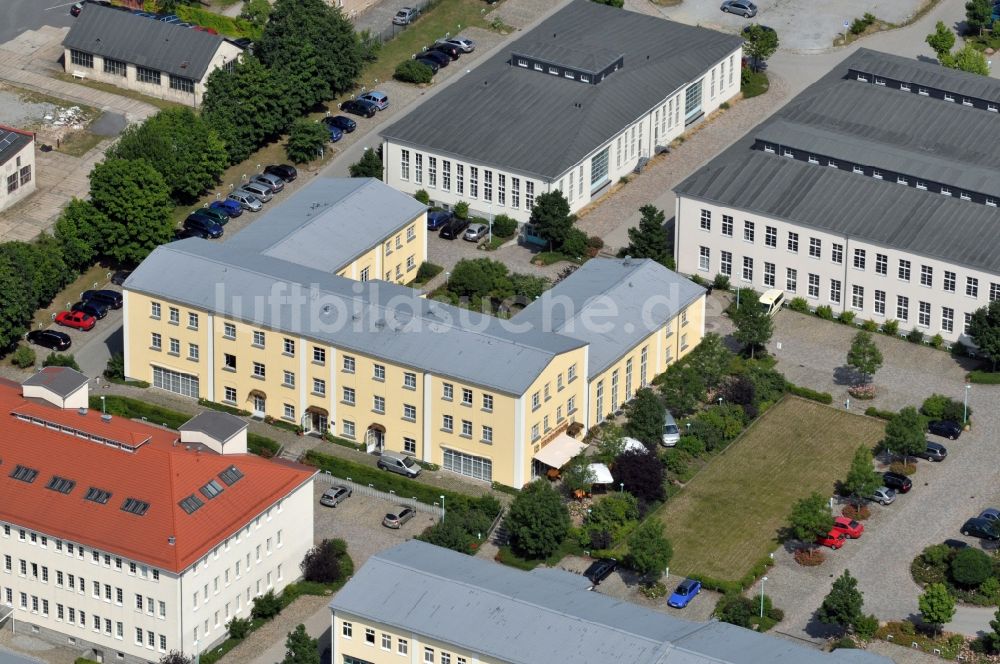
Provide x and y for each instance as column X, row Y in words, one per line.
column 128, row 541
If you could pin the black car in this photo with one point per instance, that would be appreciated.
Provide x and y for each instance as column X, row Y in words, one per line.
column 50, row 339
column 119, row 277
column 442, row 59
column 981, row 528
column 359, row 107
column 453, row 229
column 203, row 225
column 950, row 430
column 95, row 308
column 341, row 122
column 448, row 49
column 283, row 171
column 106, row 297
column 897, row 481
column 958, row 545
column 600, row 570
column 934, row 452
column 185, row 233
column 432, row 64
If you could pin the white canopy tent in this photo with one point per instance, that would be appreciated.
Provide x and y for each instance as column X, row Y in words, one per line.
column 559, row 451
column 601, row 473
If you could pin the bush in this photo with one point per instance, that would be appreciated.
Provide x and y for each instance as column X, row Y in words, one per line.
column 891, row 327
column 595, row 242
column 809, row 557
column 57, row 360
column 970, row 567
column 721, row 282
column 239, row 628
column 799, row 304
column 322, row 563
column 854, row 512
column 866, row 626
column 941, row 407
column 812, row 395
column 135, row 409
column 504, row 226
column 824, row 312
column 984, row 378
column 653, row 590
column 575, row 243
column 692, row 445
column 411, row 71
column 846, row 317
column 903, row 468
column 915, row 336
column 262, row 446
column 461, row 210
column 937, row 341
column 23, row 357
column 869, row 326
column 422, row 196
column 266, row 606
column 609, row 519
column 736, row 610
column 467, row 521
column 872, row 411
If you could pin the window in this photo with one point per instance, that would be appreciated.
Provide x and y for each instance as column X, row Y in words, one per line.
column 534, row 432
column 378, row 404
column 921, row 185
column 156, row 343
column 835, row 291
column 858, row 169
column 793, row 242
column 115, row 67
column 409, row 412
column 349, row 365
column 924, row 314
column 404, row 164
column 81, row 59
column 473, row 182
column 410, row 380
column 703, row 258
column 926, row 275
column 476, row 467
column 949, row 281
column 467, row 428
column 859, row 259
column 571, row 373
column 706, row 220
column 259, row 371
column 487, row 185
column 726, row 263
column 175, row 316
column 448, row 423
column 994, row 292
column 813, row 287
column 175, row 346
column 815, row 247
column 791, row 279
column 770, row 236
column 429, row 655
column 904, row 270
column 769, row 274
column 902, row 307
column 193, row 352
column 409, row 445
column 349, row 428
column 258, row 338
column 488, row 402
column 968, row 321
column 529, row 194
column 947, row 319
column 727, row 225
column 812, row 159
column 536, row 401
column 858, row 297
column 144, row 75
column 748, row 231
column 432, row 171
column 181, row 83
column 900, row 179
column 466, row 396
column 747, row 268
column 881, row 264
column 515, row 191
column 12, row 183
column 319, row 386
column 837, row 255
column 945, row 191
column 785, row 152
column 418, row 167
column 972, row 287
column 348, row 395
column 447, row 391
column 446, row 175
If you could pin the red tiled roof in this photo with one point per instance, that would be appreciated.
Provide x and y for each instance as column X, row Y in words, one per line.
column 159, row 473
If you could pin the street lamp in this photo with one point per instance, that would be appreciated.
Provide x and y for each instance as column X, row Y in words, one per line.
column 621, row 486
column 442, row 508
column 104, row 410
column 720, row 401
column 762, row 580
column 965, row 409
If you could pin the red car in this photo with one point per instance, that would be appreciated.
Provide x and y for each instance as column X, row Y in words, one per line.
column 849, row 527
column 833, row 539
column 77, row 319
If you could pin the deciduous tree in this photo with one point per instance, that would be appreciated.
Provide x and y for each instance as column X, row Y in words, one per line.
column 134, row 199
column 864, row 355
column 306, row 140
column 760, row 45
column 78, row 230
column 324, row 562
column 967, row 59
column 904, row 433
column 753, row 326
column 937, row 606
column 245, row 106
column 537, row 520
column 984, row 329
column 862, row 480
column 942, row 40
column 300, row 648
column 810, row 518
column 551, row 218
column 642, row 475
column 649, row 551
column 645, row 417
column 842, row 605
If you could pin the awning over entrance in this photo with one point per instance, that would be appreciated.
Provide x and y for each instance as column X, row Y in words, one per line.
column 559, row 451
column 600, row 473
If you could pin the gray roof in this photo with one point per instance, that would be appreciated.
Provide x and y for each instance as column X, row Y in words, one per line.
column 545, row 615
column 329, row 222
column 612, row 304
column 10, row 657
column 593, row 59
column 530, row 121
column 375, row 318
column 60, row 380
column 11, row 142
column 929, row 74
column 143, row 41
column 215, row 424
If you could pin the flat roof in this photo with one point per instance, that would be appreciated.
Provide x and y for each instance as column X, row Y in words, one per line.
column 536, row 123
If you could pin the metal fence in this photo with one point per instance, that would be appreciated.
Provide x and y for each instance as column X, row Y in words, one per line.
column 369, row 490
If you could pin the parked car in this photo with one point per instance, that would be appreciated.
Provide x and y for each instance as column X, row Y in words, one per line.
column 956, row 544
column 283, row 171
column 849, row 527
column 246, row 200
column 228, row 207
column 399, row 463
column 218, row 217
column 438, row 218
column 77, row 319
column 52, row 339
column 203, row 225
column 765, row 28
column 341, row 122
column 262, row 193
column 453, row 228
column 991, row 514
column 950, row 430
column 745, row 8
column 671, row 434
column 92, row 308
column 119, row 277
column 833, row 539
column 684, row 593
column 335, row 134
column 185, row 233
column 267, row 179
column 335, row 495
column 424, row 60
column 981, row 528
column 463, row 44
column 897, row 481
column 450, row 50
column 600, row 570
column 476, row 232
column 934, row 452
column 883, row 495
column 398, row 517
column 377, row 97
column 359, row 107
column 112, row 299
column 405, row 16
column 76, row 9
column 440, row 58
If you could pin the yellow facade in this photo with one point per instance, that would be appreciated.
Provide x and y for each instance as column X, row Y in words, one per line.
column 394, row 258
column 357, row 640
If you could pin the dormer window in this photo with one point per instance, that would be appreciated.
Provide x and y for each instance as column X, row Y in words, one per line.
column 569, row 74
column 521, row 62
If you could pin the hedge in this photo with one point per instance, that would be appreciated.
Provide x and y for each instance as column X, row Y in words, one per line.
column 137, row 410
column 411, row 71
column 737, row 587
column 984, row 377
column 223, row 408
column 813, row 395
column 262, row 445
column 872, row 411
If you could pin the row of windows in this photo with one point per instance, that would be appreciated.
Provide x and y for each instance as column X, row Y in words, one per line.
column 202, row 595
column 220, row 618
column 445, row 181
column 402, row 646
column 546, row 391
column 18, row 179
column 76, row 550
column 599, row 398
column 411, row 235
column 242, row 533
column 927, row 92
column 538, row 428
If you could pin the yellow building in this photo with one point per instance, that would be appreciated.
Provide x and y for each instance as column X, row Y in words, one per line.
column 288, row 320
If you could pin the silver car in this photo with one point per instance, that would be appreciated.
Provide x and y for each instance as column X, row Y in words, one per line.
column 883, row 495
column 273, row 182
column 246, row 200
column 476, row 232
column 400, row 515
column 405, row 16
column 262, row 193
column 461, row 43
column 745, row 8
column 334, row 496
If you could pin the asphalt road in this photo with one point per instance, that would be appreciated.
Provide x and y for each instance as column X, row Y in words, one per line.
column 21, row 15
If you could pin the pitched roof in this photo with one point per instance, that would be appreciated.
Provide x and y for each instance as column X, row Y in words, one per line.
column 329, row 222
column 157, row 473
column 556, row 121
column 142, row 41
column 546, row 615
column 215, row 424
column 374, row 318
column 12, row 141
column 929, row 74
column 63, row 381
column 612, row 304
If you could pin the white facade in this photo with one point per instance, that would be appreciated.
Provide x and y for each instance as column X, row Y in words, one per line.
column 490, row 191
column 876, row 282
column 17, row 173
column 127, row 611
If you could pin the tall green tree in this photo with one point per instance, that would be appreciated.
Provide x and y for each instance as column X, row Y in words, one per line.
column 842, row 605
column 993, row 638
column 16, row 304
column 245, row 106
column 810, row 518
column 649, row 239
column 300, row 648
column 40, row 266
column 537, row 520
column 864, row 355
column 753, row 326
column 551, row 218
column 862, row 480
column 967, row 59
column 942, row 40
column 904, row 433
column 984, row 329
column 369, row 166
column 257, row 12
column 683, row 388
column 649, row 551
column 135, row 200
column 306, row 140
column 78, row 231
column 978, row 15
column 645, row 417
column 937, row 606
column 760, row 45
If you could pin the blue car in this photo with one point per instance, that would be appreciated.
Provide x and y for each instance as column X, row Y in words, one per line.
column 685, row 592
column 335, row 134
column 438, row 219
column 341, row 122
column 228, row 207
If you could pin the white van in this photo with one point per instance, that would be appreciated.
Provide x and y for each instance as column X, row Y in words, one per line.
column 771, row 301
column 671, row 434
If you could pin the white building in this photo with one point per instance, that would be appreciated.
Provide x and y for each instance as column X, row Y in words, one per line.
column 123, row 542
column 874, row 191
column 577, row 102
column 17, row 165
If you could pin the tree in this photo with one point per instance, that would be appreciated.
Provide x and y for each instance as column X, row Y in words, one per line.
column 176, row 657
column 711, row 359
column 238, row 628
column 306, row 140
column 369, row 166
column 761, row 44
column 753, row 326
column 611, row 443
column 941, row 407
column 942, row 40
column 609, row 516
column 993, row 638
column 645, row 417
column 40, row 267
column 810, row 518
column 970, row 567
column 78, row 231
column 323, row 562
column 23, row 357
column 577, row 475
column 937, row 605
column 862, row 480
column 266, row 606
column 683, row 389
column 984, row 329
column 649, row 239
column 551, row 218
column 135, row 201
column 842, row 605
column 257, row 12
column 904, row 433
column 642, row 475
column 537, row 520
column 413, row 71
column 300, row 648
column 736, row 610
column 649, row 551
column 245, row 106
column 864, row 355
column 978, row 14
column 16, row 305
column 478, row 278
column 967, row 59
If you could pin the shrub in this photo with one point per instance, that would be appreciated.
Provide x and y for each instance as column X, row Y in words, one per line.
column 903, row 468
column 941, row 407
column 915, row 336
column 239, row 628
column 958, row 349
column 653, row 590
column 461, row 210
column 642, row 475
column 735, row 610
column 504, row 226
column 809, row 557
column 854, row 512
column 422, row 196
column 322, row 563
column 891, row 327
column 23, row 357
column 799, row 304
column 846, row 317
column 862, row 392
column 866, row 626
column 869, row 326
column 824, row 312
column 57, row 360
column 595, row 242
column 970, row 567
column 262, row 445
column 266, row 606
column 812, row 395
column 692, row 445
column 872, row 411
column 937, row 341
column 411, row 71
column 984, row 378
column 724, row 105
column 721, row 282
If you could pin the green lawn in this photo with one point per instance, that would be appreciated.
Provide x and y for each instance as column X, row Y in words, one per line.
column 757, row 85
column 727, row 517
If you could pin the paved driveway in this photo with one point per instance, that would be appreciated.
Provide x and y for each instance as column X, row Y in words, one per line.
column 21, row 15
